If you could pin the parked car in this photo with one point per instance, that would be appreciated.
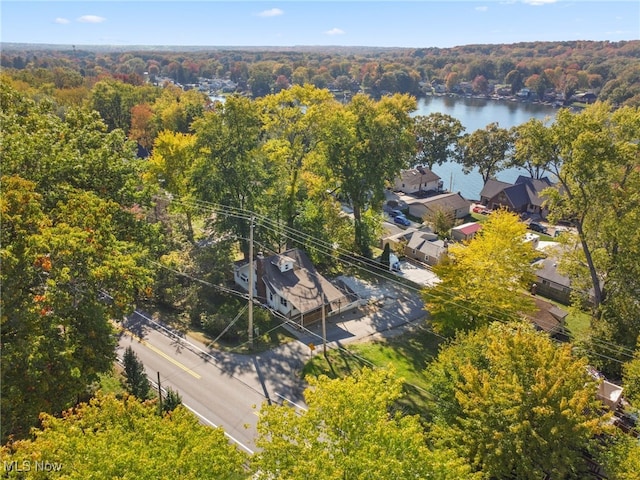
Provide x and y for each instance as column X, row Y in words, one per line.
column 536, row 227
column 479, row 209
column 402, row 220
column 395, row 213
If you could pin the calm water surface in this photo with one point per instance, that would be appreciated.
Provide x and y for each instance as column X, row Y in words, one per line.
column 476, row 113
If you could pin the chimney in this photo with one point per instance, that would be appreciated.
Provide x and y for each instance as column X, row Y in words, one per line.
column 261, row 289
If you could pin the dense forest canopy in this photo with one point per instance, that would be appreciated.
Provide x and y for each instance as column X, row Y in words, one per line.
column 610, row 69
column 117, row 178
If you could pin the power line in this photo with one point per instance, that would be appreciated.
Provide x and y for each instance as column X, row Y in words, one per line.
column 353, row 260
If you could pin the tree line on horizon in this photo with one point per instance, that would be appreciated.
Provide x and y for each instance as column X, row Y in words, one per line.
column 609, row 69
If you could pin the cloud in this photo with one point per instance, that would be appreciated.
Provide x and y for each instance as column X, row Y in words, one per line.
column 483, row 8
column 91, row 19
column 274, row 12
column 538, row 2
column 334, row 31
column 61, row 21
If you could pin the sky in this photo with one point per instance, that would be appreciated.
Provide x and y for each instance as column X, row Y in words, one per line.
column 416, row 23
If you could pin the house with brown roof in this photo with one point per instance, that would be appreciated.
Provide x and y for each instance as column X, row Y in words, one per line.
column 289, row 284
column 419, row 179
column 523, row 196
column 453, row 203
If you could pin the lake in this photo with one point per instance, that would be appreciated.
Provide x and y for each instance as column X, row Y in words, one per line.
column 476, row 113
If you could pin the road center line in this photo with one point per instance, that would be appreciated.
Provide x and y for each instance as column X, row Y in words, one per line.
column 162, row 354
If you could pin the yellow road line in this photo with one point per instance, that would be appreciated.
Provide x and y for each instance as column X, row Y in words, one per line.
column 162, row 354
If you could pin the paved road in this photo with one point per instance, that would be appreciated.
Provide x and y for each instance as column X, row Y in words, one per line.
column 227, row 390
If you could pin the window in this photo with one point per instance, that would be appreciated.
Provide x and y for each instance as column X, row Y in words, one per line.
column 243, row 277
column 270, row 297
column 283, row 302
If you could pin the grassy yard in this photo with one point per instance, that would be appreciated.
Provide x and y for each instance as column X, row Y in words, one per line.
column 408, row 354
column 578, row 324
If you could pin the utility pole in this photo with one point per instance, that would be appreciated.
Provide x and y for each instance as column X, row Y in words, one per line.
column 251, row 282
column 159, row 395
column 324, row 326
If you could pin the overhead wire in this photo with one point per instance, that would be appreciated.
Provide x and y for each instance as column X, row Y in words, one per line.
column 351, row 259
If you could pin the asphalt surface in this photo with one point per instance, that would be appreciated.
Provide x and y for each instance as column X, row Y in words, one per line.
column 227, row 390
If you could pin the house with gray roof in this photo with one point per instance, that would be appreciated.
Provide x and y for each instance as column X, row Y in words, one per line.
column 453, row 203
column 523, row 196
column 289, row 283
column 550, row 283
column 425, row 247
column 419, row 179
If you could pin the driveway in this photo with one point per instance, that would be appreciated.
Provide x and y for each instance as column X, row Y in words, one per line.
column 419, row 275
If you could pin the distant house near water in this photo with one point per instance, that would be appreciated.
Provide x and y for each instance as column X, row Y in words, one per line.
column 419, row 179
column 453, row 203
column 523, row 196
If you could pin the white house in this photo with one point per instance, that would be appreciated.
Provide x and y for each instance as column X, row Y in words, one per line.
column 289, row 284
column 416, row 180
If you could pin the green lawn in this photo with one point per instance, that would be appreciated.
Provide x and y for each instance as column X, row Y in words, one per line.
column 578, row 324
column 409, row 354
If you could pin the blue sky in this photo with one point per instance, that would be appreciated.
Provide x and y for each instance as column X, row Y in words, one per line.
column 425, row 23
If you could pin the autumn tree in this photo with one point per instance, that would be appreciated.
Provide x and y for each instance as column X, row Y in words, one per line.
column 485, row 149
column 169, row 167
column 482, row 281
column 348, row 431
column 142, row 128
column 56, row 330
column 437, row 136
column 128, row 439
column 368, row 143
column 514, row 403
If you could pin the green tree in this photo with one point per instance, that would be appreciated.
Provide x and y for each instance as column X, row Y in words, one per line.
column 534, row 148
column 291, row 122
column 514, row 78
column 348, row 432
column 631, row 377
column 441, row 220
column 171, row 400
column 136, row 379
column 230, row 166
column 483, row 280
column 111, row 438
column 620, row 457
column 485, row 149
column 367, row 143
column 56, row 330
column 437, row 135
column 514, row 403
column 598, row 170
